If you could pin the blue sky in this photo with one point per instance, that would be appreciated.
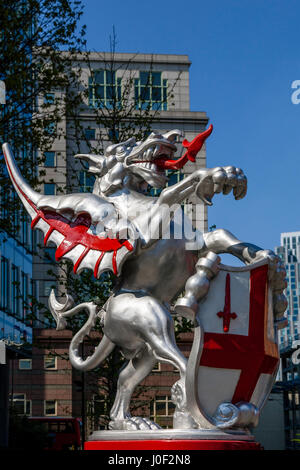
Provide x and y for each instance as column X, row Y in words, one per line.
column 245, row 55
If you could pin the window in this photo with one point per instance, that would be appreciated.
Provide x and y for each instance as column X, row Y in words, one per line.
column 151, row 91
column 99, row 412
column 49, row 254
column 15, row 290
column 86, row 182
column 90, row 134
column 25, row 364
column 49, row 159
column 25, row 230
column 104, row 89
column 49, row 189
column 24, row 294
column 50, row 362
column 113, row 135
column 33, row 297
column 21, row 405
column 5, row 283
column 49, row 98
column 161, row 407
column 50, row 407
column 48, row 286
column 50, row 128
column 157, row 367
column 174, row 177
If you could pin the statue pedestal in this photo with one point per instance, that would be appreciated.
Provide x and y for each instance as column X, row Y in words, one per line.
column 171, row 439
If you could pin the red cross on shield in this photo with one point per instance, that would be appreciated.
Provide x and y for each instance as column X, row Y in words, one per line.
column 238, row 363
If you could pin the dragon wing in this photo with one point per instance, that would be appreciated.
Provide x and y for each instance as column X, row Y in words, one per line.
column 85, row 228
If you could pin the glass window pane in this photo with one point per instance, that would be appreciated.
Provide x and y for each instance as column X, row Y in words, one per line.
column 19, row 400
column 145, row 94
column 145, row 78
column 4, row 282
column 110, row 93
column 156, row 94
column 50, row 362
column 50, row 409
column 119, row 93
column 49, row 254
column 49, row 98
column 99, row 92
column 161, row 409
column 110, row 77
column 19, row 396
column 49, row 159
column 48, row 286
column 90, row 134
column 99, row 76
column 28, row 407
column 49, row 189
column 50, row 128
column 19, row 407
column 156, row 105
column 156, row 78
column 25, row 364
column 15, row 291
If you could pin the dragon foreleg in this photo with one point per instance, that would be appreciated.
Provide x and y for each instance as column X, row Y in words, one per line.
column 62, row 311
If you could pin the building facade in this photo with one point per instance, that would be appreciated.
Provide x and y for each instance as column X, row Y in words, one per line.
column 289, row 373
column 289, row 252
column 153, row 89
column 156, row 84
column 16, row 289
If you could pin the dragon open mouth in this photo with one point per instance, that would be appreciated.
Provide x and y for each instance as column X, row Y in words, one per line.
column 157, row 156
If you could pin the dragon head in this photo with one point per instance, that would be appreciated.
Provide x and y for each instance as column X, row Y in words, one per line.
column 139, row 164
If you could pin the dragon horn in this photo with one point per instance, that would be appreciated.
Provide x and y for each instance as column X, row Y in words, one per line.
column 28, row 196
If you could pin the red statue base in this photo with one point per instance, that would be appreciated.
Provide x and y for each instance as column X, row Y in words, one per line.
column 173, row 444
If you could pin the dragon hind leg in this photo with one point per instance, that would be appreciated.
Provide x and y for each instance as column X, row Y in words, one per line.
column 130, row 376
column 145, row 320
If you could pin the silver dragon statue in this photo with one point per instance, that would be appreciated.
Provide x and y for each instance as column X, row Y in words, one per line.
column 163, row 266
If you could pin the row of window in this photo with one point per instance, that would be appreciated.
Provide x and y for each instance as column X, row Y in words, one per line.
column 105, row 90
column 86, row 183
column 293, row 240
column 22, row 406
column 50, row 363
column 20, row 221
column 161, row 410
column 150, row 90
column 161, row 407
column 17, row 290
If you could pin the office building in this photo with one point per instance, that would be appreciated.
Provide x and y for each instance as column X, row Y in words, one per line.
column 156, row 84
column 48, row 386
column 17, row 290
column 289, row 252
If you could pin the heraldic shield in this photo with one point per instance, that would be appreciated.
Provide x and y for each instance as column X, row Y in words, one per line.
column 234, row 358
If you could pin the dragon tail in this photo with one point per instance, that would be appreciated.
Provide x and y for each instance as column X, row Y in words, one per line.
column 60, row 312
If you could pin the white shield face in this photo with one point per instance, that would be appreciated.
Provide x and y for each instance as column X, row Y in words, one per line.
column 240, row 355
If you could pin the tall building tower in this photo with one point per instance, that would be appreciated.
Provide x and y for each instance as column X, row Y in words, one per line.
column 289, row 252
